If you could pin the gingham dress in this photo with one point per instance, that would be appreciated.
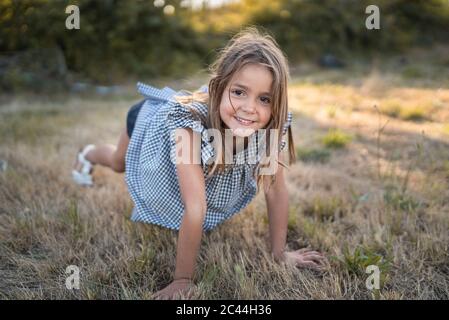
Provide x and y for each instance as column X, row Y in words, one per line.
column 151, row 174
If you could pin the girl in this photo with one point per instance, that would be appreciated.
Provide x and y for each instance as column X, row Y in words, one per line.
column 247, row 93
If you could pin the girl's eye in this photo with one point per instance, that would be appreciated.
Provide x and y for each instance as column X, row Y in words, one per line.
column 237, row 92
column 240, row 93
column 265, row 100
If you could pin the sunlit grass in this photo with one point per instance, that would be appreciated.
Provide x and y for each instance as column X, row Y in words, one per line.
column 378, row 202
column 415, row 113
column 32, row 126
column 324, row 208
column 446, row 129
column 411, row 112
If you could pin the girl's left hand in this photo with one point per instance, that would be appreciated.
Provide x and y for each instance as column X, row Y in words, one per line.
column 305, row 258
column 176, row 290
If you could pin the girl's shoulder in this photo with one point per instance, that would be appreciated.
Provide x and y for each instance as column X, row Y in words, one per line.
column 192, row 115
column 176, row 103
column 155, row 94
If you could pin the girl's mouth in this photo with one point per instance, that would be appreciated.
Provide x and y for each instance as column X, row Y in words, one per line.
column 244, row 122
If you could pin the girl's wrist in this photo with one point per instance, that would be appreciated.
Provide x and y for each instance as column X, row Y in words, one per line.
column 279, row 256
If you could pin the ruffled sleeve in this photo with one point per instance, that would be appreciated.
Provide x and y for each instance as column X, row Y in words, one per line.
column 180, row 116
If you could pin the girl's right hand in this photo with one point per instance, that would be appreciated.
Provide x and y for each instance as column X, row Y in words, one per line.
column 176, row 290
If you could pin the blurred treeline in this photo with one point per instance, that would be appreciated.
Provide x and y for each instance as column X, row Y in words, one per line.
column 123, row 39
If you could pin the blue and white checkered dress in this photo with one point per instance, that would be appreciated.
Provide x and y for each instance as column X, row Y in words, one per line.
column 151, row 174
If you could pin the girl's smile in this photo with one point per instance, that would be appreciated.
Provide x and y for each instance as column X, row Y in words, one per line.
column 243, row 121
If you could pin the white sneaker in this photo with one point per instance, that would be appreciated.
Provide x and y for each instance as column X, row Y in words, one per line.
column 83, row 177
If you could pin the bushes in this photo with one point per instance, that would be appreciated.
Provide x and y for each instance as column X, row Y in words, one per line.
column 116, row 39
column 120, row 38
column 315, row 27
column 34, row 70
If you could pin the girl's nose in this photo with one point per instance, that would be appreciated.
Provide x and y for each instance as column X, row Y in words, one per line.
column 249, row 107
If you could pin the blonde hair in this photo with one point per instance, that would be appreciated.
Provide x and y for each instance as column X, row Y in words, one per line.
column 249, row 46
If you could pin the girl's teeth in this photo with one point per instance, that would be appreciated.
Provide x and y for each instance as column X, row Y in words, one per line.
column 244, row 121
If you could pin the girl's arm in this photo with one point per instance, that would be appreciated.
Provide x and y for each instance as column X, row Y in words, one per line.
column 277, row 206
column 192, row 187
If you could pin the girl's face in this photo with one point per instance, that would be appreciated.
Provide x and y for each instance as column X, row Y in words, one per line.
column 245, row 106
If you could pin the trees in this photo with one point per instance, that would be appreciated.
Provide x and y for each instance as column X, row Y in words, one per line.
column 119, row 38
column 116, row 38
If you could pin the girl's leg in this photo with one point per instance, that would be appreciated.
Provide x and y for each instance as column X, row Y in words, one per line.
column 109, row 155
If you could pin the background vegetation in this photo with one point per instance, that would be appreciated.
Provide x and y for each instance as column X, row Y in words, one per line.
column 121, row 39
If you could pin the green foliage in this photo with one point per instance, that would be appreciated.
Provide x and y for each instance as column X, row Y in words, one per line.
column 313, row 155
column 399, row 199
column 120, row 39
column 336, row 139
column 416, row 112
column 292, row 221
column 325, row 208
column 116, row 37
column 357, row 261
column 314, row 27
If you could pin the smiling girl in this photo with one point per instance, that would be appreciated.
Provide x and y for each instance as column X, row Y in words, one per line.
column 246, row 95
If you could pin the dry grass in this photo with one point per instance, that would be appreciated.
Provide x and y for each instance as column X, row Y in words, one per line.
column 382, row 199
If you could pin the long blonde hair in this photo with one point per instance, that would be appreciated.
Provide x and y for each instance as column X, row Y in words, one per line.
column 246, row 47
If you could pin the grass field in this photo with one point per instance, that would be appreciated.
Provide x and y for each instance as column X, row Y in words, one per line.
column 371, row 186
